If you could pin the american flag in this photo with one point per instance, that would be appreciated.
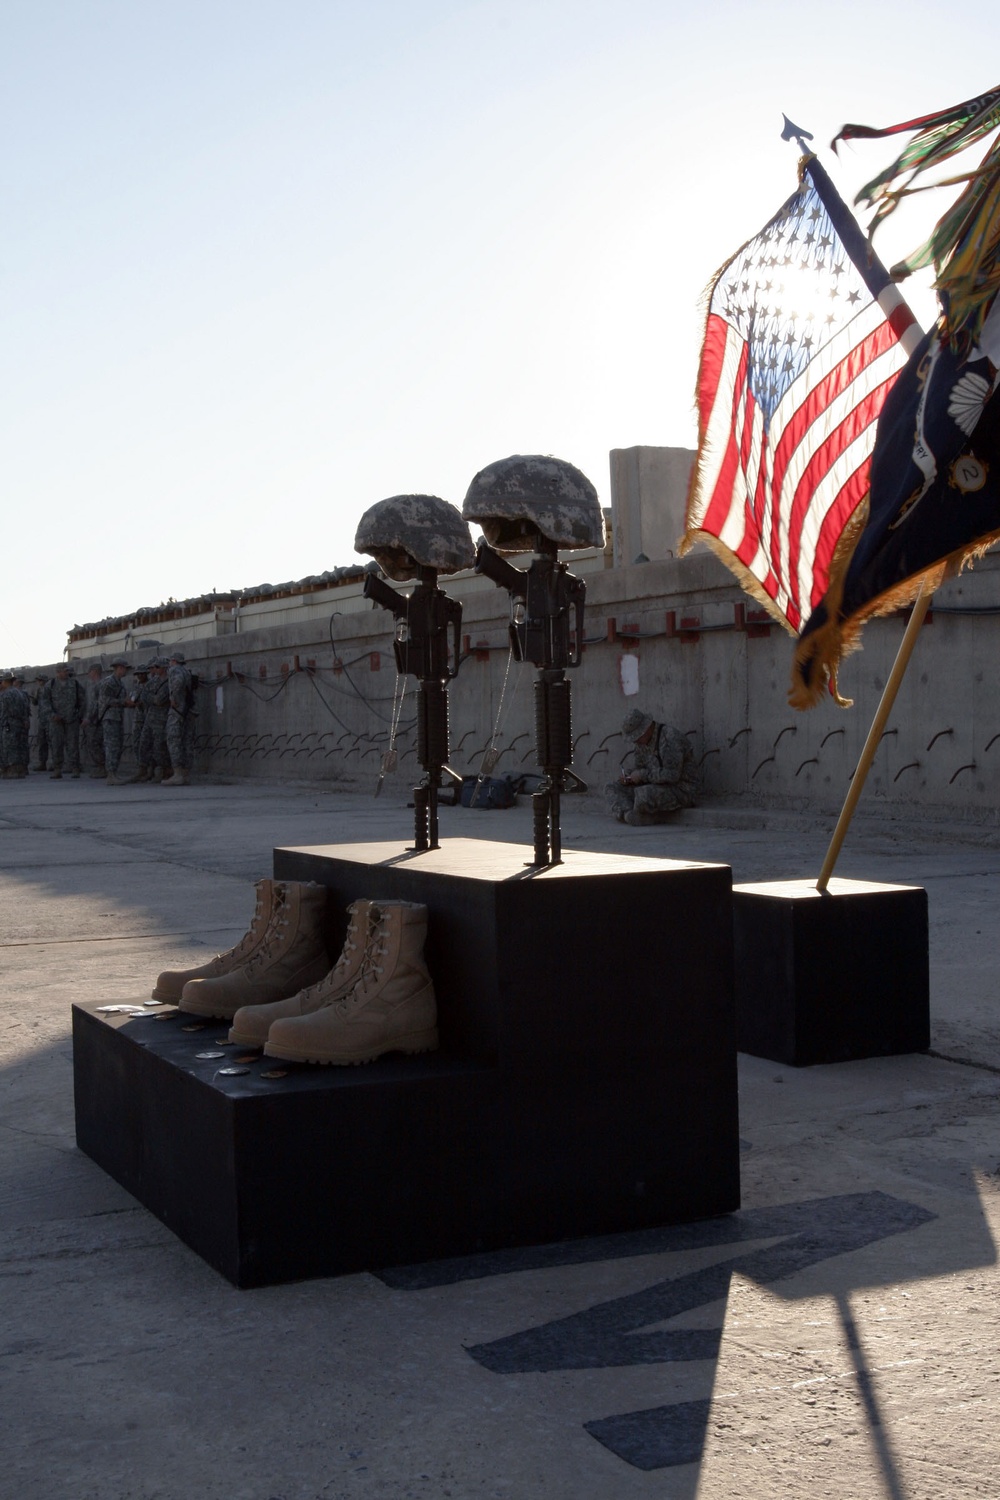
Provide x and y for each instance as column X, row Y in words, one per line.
column 804, row 336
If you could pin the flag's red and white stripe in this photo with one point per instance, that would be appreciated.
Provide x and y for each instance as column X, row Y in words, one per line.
column 779, row 498
column 774, row 495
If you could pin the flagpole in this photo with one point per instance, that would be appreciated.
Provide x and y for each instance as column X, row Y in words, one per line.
column 899, row 667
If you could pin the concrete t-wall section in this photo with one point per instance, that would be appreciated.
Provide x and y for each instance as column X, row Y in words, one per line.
column 332, row 719
column 704, row 662
column 292, row 605
column 648, row 497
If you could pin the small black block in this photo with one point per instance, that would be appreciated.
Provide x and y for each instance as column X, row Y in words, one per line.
column 823, row 978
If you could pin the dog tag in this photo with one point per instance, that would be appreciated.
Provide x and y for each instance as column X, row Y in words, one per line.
column 390, row 760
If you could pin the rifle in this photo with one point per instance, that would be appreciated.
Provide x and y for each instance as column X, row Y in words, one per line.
column 546, row 600
column 427, row 645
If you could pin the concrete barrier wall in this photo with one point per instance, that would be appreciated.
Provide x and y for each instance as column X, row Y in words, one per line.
column 316, row 700
column 311, row 693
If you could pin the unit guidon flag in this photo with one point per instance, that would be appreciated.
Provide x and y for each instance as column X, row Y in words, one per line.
column 804, row 337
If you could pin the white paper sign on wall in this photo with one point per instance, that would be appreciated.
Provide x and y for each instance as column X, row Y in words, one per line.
column 628, row 673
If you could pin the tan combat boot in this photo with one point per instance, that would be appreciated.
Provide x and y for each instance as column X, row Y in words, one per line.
column 391, row 1007
column 171, row 982
column 179, row 778
column 252, row 1023
column 292, row 956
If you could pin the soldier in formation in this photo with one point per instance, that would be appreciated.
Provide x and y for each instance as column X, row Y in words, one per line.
column 137, row 703
column 153, row 743
column 93, row 739
column 42, row 715
column 658, row 775
column 180, row 720
column 112, row 697
column 15, row 719
column 65, row 699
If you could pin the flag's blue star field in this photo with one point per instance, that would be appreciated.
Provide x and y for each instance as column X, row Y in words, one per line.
column 788, row 292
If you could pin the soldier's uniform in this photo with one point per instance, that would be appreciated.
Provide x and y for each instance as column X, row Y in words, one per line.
column 180, row 720
column 5, row 685
column 41, row 739
column 15, row 718
column 111, row 696
column 662, row 767
column 140, row 702
column 93, row 739
column 65, row 699
column 153, row 743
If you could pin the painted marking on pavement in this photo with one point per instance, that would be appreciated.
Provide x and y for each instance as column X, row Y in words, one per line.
column 610, row 1334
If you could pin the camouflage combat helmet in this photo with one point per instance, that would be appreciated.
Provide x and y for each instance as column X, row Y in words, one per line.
column 409, row 532
column 518, row 497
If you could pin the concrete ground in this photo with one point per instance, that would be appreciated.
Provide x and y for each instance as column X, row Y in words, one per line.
column 837, row 1338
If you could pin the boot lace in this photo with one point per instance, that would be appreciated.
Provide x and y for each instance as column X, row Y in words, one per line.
column 376, row 947
column 343, row 965
column 249, row 938
column 273, row 942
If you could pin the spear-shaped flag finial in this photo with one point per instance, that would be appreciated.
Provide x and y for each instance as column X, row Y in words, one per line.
column 793, row 132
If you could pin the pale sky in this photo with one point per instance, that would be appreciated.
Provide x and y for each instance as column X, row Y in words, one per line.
column 266, row 263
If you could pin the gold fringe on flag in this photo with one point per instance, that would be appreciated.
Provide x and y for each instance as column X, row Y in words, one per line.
column 818, row 656
column 747, row 582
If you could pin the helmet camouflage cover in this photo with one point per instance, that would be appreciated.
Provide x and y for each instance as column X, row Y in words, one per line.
column 409, row 532
column 635, row 723
column 517, row 497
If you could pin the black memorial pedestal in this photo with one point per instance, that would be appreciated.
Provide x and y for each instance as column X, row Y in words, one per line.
column 586, row 1081
column 834, row 976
